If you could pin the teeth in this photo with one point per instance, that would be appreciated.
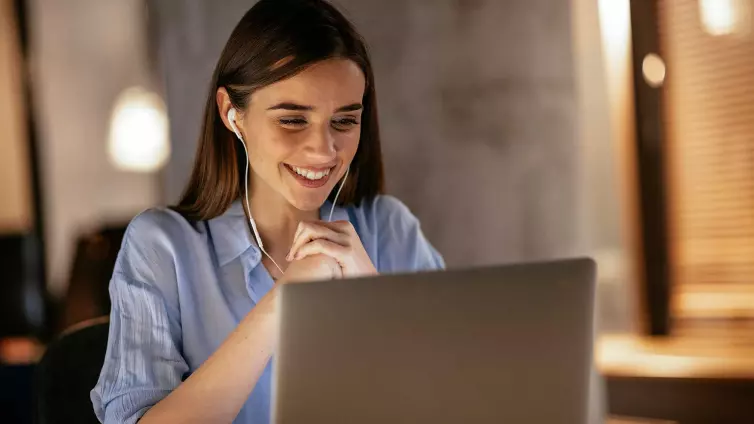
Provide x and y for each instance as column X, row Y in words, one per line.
column 309, row 174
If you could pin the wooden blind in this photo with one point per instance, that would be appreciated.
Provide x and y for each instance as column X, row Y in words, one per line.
column 709, row 97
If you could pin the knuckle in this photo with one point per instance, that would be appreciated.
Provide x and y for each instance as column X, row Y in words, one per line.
column 345, row 225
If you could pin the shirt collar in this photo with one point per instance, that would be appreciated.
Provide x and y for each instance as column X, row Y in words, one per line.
column 232, row 236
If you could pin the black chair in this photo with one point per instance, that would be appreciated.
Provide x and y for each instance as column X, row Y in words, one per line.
column 92, row 267
column 67, row 373
column 22, row 300
column 16, row 393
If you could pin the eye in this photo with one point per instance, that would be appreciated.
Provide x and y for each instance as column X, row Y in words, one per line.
column 345, row 123
column 292, row 122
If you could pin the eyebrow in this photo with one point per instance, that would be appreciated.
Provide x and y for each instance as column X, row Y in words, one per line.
column 289, row 106
column 296, row 107
column 350, row 108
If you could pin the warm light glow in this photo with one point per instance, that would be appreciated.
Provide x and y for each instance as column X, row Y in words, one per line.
column 653, row 69
column 724, row 17
column 139, row 131
column 675, row 357
column 615, row 24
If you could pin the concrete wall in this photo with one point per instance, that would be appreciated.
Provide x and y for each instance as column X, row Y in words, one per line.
column 84, row 52
column 477, row 106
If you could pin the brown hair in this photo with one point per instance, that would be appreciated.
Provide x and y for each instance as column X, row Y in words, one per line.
column 275, row 40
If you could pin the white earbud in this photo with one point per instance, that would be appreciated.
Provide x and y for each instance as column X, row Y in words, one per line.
column 232, row 121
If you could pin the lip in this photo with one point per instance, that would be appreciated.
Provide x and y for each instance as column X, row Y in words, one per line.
column 315, row 168
column 307, row 182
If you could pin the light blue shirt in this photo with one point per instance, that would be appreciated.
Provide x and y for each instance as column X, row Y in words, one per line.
column 180, row 288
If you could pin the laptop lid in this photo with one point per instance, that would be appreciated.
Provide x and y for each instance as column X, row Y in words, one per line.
column 488, row 345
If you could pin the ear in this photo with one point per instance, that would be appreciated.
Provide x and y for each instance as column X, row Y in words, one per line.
column 223, row 106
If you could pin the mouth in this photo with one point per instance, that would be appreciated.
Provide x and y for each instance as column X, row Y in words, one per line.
column 310, row 177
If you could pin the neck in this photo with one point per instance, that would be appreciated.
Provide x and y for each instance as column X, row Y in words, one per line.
column 276, row 219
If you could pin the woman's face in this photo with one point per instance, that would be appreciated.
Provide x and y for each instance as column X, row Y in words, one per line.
column 303, row 132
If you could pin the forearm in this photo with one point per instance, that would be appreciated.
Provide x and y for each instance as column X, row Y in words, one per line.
column 219, row 388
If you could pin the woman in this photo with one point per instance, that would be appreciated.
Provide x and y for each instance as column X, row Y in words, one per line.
column 193, row 310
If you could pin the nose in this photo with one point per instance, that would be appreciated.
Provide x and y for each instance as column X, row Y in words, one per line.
column 320, row 146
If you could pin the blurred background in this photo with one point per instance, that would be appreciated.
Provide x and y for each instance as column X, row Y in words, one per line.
column 515, row 130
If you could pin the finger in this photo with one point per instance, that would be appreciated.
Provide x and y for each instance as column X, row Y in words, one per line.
column 308, row 231
column 343, row 227
column 324, row 247
column 312, row 231
column 298, row 230
column 299, row 227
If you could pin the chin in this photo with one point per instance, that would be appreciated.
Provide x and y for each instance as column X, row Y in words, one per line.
column 310, row 202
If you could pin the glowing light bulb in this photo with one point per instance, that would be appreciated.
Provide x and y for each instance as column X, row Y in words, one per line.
column 725, row 17
column 139, row 131
column 653, row 68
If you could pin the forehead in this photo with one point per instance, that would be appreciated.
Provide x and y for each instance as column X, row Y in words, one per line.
column 329, row 84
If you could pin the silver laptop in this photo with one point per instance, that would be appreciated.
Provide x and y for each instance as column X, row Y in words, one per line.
column 510, row 344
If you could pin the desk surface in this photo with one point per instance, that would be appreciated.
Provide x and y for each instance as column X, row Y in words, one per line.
column 624, row 420
column 675, row 357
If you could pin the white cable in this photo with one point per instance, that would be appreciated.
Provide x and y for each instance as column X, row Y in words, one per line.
column 248, row 208
column 335, row 201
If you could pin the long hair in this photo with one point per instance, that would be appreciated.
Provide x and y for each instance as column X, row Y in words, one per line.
column 275, row 40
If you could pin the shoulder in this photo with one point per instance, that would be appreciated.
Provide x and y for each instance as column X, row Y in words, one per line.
column 393, row 237
column 154, row 244
column 384, row 212
column 159, row 225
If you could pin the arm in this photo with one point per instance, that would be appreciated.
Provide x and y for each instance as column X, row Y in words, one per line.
column 217, row 391
column 144, row 368
column 220, row 387
column 144, row 365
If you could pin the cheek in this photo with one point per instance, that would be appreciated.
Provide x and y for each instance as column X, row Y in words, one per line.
column 271, row 147
column 349, row 143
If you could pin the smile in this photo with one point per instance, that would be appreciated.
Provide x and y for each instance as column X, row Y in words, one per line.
column 310, row 174
column 310, row 177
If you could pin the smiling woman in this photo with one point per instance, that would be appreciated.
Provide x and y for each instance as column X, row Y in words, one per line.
column 285, row 188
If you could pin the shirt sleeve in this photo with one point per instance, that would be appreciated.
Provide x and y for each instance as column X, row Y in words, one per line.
column 143, row 362
column 402, row 246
